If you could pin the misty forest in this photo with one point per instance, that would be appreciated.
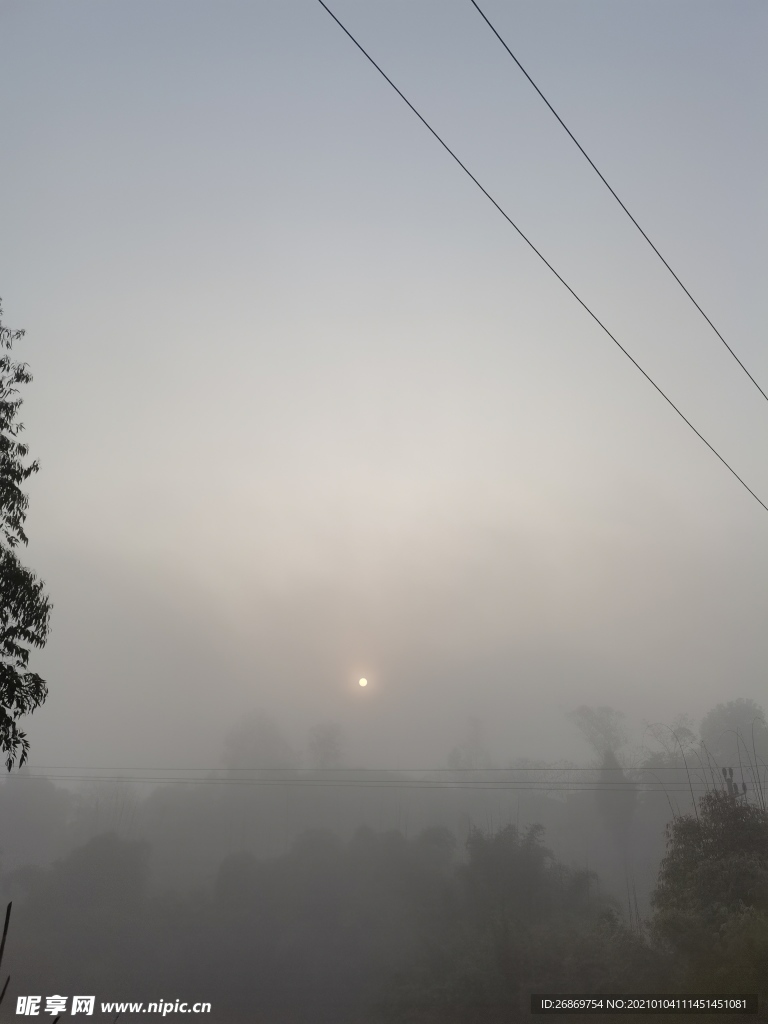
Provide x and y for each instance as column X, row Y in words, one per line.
column 383, row 564
column 286, row 893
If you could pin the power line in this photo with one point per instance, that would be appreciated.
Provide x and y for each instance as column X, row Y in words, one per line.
column 546, row 262
column 613, row 193
column 319, row 777
column 394, row 784
column 381, row 771
column 319, row 783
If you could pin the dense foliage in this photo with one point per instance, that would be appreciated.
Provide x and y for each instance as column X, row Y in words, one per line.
column 358, row 924
column 711, row 903
column 518, row 922
column 378, row 928
column 24, row 607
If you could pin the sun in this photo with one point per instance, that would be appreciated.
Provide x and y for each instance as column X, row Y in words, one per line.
column 363, row 682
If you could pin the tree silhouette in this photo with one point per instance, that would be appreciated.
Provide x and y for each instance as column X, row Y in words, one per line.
column 326, row 745
column 616, row 796
column 736, row 734
column 24, row 608
column 711, row 902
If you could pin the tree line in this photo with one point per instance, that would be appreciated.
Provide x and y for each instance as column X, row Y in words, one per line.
column 387, row 928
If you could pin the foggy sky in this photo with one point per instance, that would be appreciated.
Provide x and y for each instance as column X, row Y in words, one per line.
column 308, row 409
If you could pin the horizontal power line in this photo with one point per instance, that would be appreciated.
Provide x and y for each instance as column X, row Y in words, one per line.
column 600, row 175
column 543, row 259
column 396, row 784
column 381, row 771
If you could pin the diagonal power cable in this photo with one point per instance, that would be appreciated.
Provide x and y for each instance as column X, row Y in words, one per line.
column 600, row 175
column 543, row 259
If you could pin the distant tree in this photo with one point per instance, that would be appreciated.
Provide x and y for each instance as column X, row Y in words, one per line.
column 616, row 798
column 516, row 921
column 83, row 919
column 473, row 751
column 736, row 734
column 616, row 794
column 257, row 742
column 670, row 745
column 24, row 608
column 326, row 745
column 602, row 728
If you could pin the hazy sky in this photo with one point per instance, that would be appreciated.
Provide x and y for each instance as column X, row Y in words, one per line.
column 308, row 409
